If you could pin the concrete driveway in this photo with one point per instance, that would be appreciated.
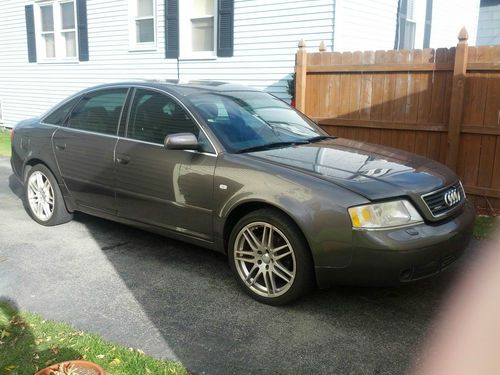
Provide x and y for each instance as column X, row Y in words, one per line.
column 178, row 301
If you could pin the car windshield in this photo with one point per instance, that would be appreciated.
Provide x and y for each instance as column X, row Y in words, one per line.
column 249, row 121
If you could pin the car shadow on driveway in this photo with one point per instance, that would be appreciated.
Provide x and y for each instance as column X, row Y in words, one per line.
column 204, row 318
column 212, row 326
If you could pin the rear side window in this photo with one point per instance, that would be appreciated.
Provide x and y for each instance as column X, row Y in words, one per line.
column 154, row 115
column 99, row 111
column 58, row 116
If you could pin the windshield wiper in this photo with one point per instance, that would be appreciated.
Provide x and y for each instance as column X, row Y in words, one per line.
column 268, row 146
column 320, row 138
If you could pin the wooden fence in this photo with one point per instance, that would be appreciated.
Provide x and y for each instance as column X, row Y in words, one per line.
column 440, row 103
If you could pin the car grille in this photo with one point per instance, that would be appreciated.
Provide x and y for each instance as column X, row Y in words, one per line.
column 441, row 202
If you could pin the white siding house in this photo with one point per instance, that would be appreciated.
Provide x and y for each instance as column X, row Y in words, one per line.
column 488, row 32
column 266, row 33
column 251, row 42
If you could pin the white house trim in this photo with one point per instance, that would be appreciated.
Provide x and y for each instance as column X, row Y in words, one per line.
column 58, row 31
column 133, row 17
column 185, row 32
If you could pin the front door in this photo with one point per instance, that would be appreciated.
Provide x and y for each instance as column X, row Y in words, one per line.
column 84, row 149
column 172, row 189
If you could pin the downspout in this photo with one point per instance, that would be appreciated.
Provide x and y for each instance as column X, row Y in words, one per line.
column 396, row 38
column 428, row 23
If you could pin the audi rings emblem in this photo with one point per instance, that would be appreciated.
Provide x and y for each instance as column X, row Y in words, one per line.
column 452, row 197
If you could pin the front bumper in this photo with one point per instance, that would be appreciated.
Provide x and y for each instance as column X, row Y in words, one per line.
column 389, row 257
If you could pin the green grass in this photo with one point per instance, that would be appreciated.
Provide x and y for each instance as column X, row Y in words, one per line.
column 485, row 226
column 29, row 343
column 4, row 142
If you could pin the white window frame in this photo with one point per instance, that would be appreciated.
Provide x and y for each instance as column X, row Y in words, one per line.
column 185, row 38
column 413, row 24
column 406, row 22
column 410, row 21
column 59, row 40
column 132, row 27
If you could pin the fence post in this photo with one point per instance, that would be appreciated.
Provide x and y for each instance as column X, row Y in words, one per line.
column 322, row 46
column 457, row 99
column 300, row 77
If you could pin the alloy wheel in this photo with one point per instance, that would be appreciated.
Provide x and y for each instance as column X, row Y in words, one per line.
column 40, row 196
column 265, row 259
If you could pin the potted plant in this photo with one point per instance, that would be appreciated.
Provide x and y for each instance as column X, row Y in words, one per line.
column 73, row 368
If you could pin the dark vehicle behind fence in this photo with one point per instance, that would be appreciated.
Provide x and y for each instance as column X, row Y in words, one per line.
column 241, row 172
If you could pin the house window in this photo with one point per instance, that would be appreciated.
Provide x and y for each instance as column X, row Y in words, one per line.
column 405, row 37
column 198, row 28
column 143, row 24
column 68, row 29
column 56, row 30
column 47, row 32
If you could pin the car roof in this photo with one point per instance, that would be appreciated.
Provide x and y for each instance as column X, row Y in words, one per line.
column 182, row 88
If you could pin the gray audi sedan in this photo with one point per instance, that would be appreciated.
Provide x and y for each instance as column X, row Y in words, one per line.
column 239, row 171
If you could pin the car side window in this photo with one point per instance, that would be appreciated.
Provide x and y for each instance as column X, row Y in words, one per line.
column 99, row 111
column 58, row 116
column 154, row 115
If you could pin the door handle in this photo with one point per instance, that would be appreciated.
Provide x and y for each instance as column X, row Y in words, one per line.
column 123, row 159
column 60, row 147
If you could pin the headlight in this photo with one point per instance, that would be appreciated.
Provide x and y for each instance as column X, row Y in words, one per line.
column 384, row 215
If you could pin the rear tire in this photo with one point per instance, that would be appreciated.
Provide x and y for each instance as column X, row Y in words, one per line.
column 43, row 199
column 270, row 258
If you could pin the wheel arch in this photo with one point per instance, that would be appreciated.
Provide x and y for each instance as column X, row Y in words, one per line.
column 30, row 163
column 245, row 208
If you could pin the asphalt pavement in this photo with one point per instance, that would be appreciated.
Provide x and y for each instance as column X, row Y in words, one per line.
column 177, row 301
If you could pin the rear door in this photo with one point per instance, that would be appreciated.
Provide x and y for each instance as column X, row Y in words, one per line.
column 172, row 189
column 84, row 149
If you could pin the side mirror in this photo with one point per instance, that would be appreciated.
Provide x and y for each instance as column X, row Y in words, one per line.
column 181, row 141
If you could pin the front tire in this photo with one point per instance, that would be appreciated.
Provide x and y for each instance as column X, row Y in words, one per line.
column 43, row 198
column 270, row 257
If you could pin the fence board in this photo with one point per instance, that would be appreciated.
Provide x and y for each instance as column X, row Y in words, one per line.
column 475, row 98
column 421, row 143
column 377, row 89
column 486, row 160
column 389, row 89
column 345, row 81
column 492, row 105
column 355, row 88
column 495, row 178
column 366, row 88
column 425, row 89
column 401, row 89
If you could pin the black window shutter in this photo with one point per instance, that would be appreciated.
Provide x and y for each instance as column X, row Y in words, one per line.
column 171, row 29
column 225, row 28
column 30, row 32
column 83, row 37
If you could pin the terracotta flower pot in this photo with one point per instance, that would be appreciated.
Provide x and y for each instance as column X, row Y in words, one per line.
column 77, row 363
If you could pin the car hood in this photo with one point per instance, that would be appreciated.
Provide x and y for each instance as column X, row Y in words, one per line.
column 373, row 171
